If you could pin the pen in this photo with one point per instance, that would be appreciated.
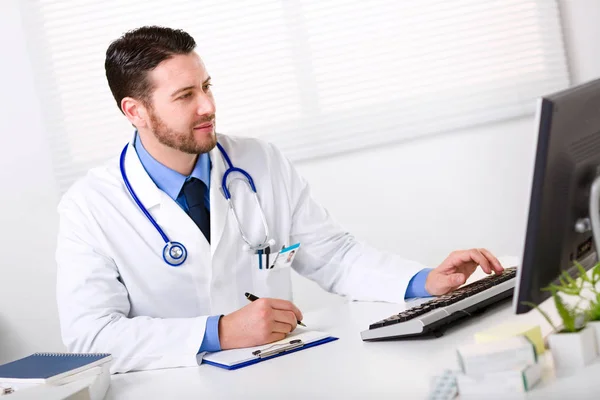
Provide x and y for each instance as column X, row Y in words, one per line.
column 277, row 256
column 268, row 251
column 252, row 297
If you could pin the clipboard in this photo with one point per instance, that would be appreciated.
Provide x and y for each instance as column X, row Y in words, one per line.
column 300, row 339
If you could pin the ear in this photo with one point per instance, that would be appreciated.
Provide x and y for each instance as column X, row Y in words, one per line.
column 135, row 112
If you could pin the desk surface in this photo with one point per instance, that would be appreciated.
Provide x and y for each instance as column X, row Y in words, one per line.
column 346, row 368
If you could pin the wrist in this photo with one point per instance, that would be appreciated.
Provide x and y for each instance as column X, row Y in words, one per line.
column 430, row 284
column 427, row 285
column 224, row 338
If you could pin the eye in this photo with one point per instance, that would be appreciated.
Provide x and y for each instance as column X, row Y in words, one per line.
column 206, row 87
column 185, row 96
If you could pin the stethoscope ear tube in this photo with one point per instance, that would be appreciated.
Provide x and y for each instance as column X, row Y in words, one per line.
column 225, row 189
column 174, row 253
column 265, row 242
column 136, row 199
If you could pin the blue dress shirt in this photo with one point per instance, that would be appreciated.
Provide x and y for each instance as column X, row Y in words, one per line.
column 171, row 182
column 416, row 286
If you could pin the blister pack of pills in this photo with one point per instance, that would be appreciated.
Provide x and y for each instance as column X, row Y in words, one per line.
column 443, row 387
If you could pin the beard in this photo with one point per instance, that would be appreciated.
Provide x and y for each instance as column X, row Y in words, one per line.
column 185, row 142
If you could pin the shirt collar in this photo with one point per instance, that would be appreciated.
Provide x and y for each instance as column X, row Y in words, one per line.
column 166, row 179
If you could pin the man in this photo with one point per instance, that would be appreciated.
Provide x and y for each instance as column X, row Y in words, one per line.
column 290, row 256
column 121, row 291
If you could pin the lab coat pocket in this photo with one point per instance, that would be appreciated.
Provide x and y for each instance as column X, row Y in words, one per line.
column 275, row 283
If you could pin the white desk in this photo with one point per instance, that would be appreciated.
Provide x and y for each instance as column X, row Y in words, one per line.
column 346, row 368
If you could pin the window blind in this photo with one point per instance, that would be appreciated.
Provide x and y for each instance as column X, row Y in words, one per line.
column 314, row 77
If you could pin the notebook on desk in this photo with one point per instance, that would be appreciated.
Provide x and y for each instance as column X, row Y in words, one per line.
column 49, row 367
column 298, row 340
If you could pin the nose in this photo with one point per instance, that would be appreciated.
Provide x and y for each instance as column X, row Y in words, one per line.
column 206, row 104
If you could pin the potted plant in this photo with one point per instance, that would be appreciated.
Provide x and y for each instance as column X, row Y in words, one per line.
column 573, row 344
column 594, row 319
column 593, row 309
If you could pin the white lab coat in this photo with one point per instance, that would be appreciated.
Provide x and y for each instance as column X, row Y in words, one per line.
column 117, row 295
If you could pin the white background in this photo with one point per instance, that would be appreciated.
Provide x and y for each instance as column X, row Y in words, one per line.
column 421, row 199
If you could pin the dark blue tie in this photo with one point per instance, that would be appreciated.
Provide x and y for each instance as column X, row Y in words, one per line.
column 194, row 191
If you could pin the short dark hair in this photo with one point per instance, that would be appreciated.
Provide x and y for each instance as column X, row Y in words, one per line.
column 133, row 55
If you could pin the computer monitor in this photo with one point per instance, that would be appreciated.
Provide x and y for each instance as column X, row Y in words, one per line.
column 567, row 161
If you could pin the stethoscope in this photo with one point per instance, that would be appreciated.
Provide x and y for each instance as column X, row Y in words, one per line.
column 175, row 253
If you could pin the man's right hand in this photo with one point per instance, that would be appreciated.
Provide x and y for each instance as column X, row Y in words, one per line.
column 260, row 322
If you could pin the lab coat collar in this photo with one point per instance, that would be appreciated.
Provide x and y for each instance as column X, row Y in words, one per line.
column 145, row 189
column 219, row 208
column 150, row 195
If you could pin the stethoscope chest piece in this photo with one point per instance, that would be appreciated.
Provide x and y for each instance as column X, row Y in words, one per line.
column 174, row 253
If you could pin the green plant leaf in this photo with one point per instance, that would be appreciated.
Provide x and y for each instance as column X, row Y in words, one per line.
column 544, row 314
column 582, row 272
column 568, row 277
column 563, row 282
column 594, row 309
column 567, row 315
column 566, row 290
column 572, row 284
column 596, row 274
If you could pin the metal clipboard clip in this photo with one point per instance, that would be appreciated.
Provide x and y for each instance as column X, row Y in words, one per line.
column 6, row 390
column 278, row 348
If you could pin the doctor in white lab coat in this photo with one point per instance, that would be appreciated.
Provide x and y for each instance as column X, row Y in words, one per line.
column 115, row 292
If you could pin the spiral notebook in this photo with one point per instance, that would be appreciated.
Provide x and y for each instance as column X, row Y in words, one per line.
column 50, row 367
column 298, row 340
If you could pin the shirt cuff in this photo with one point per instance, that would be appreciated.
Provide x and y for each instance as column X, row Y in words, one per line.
column 416, row 286
column 211, row 342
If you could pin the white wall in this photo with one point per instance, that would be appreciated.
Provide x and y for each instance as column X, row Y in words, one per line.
column 581, row 26
column 28, row 316
column 424, row 198
column 421, row 199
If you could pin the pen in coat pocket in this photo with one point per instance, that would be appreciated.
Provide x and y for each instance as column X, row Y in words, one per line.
column 268, row 252
column 277, row 256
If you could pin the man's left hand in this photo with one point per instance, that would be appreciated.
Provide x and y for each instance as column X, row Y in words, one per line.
column 456, row 269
